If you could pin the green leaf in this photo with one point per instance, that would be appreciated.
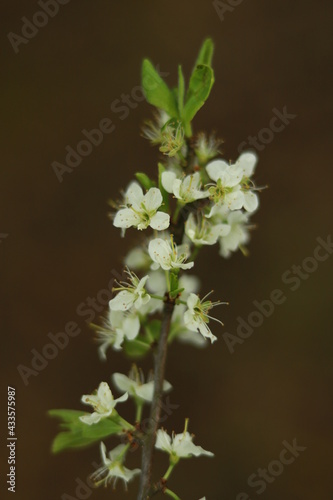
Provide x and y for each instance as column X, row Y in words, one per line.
column 154, row 328
column 136, row 348
column 174, row 283
column 77, row 434
column 156, row 90
column 205, row 55
column 165, row 194
column 181, row 90
column 144, row 180
column 176, row 292
column 201, row 82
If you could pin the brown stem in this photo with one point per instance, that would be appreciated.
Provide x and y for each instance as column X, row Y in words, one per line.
column 159, row 370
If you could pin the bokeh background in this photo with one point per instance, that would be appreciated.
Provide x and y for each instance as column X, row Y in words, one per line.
column 61, row 247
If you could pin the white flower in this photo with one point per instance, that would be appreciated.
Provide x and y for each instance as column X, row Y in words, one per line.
column 186, row 190
column 135, row 385
column 238, row 234
column 142, row 210
column 167, row 255
column 204, row 232
column 113, row 468
column 196, row 317
column 247, row 162
column 191, row 284
column 227, row 190
column 179, row 445
column 131, row 294
column 118, row 326
column 233, row 184
column 156, row 285
column 138, row 258
column 102, row 402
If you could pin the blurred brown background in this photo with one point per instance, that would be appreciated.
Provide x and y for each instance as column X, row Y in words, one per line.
column 61, row 247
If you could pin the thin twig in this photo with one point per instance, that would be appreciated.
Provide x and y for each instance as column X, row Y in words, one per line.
column 159, row 370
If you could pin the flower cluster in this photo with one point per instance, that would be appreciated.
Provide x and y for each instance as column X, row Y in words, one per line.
column 196, row 199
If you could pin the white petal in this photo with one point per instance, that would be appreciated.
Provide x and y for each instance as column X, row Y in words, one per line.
column 160, row 221
column 126, row 218
column 103, row 453
column 157, row 283
column 93, row 418
column 216, row 168
column 153, row 199
column 131, row 327
column 163, row 441
column 123, row 383
column 168, row 179
column 114, row 454
column 159, row 251
column 251, row 201
column 192, row 301
column 193, row 338
column 122, row 301
column 119, row 339
column 122, row 398
column 178, row 190
column 104, row 394
column 184, row 447
column 234, row 200
column 190, row 283
column 247, row 162
column 137, row 259
column 146, row 391
column 134, row 194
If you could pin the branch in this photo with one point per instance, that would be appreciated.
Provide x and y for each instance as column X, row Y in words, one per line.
column 159, row 370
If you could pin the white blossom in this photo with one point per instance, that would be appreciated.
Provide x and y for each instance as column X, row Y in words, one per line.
column 167, row 255
column 186, row 190
column 196, row 317
column 138, row 258
column 179, row 445
column 204, row 232
column 233, row 187
column 113, row 468
column 131, row 294
column 135, row 386
column 118, row 326
column 191, row 284
column 227, row 190
column 102, row 402
column 247, row 162
column 142, row 210
column 238, row 234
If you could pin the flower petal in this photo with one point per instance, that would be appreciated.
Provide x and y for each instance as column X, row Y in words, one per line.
column 126, row 218
column 216, row 168
column 168, row 179
column 134, row 194
column 153, row 199
column 251, row 201
column 247, row 162
column 160, row 221
column 122, row 301
column 123, row 383
column 163, row 441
